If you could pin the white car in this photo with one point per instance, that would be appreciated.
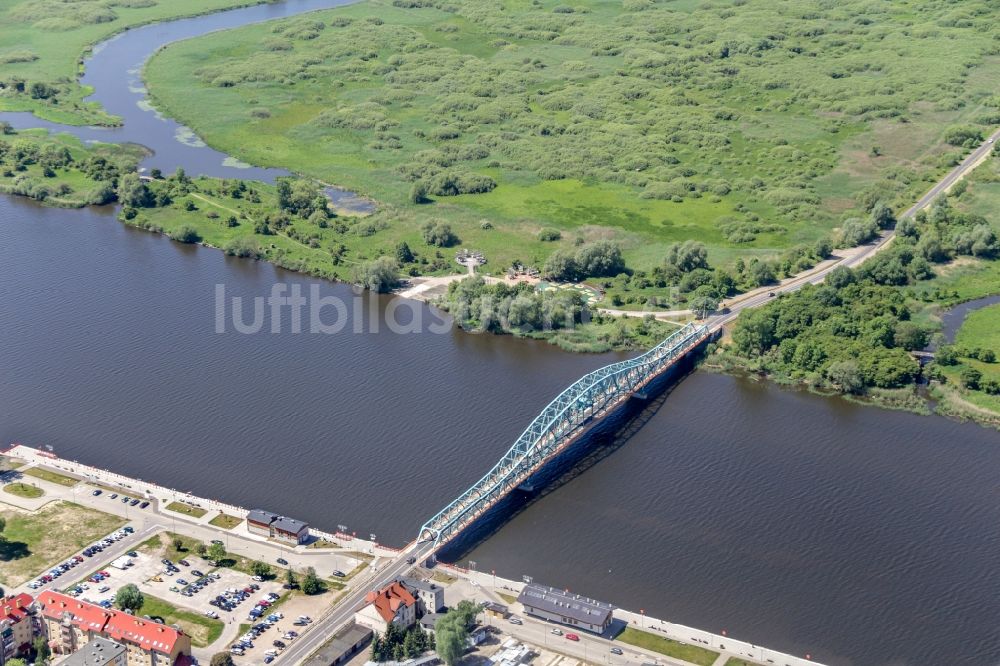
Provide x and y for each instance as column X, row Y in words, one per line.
column 212, row 614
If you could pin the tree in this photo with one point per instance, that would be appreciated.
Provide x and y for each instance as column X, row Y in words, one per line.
column 261, row 569
column 418, row 193
column 754, row 332
column 856, row 232
column 133, row 193
column 600, row 259
column 222, row 659
column 311, row 583
column 449, row 641
column 42, row 651
column 762, row 273
column 216, row 552
column 438, row 233
column 403, row 253
column 201, row 549
column 882, row 216
column 290, row 581
column 15, row 662
column 970, row 378
column 380, row 275
column 178, row 544
column 946, row 355
column 910, row 336
column 561, row 265
column 687, row 256
column 847, row 376
column 129, row 598
column 704, row 302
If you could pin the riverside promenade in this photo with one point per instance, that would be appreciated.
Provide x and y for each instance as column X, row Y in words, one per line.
column 164, row 496
column 487, row 583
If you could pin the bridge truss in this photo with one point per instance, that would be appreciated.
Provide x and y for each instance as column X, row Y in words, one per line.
column 590, row 397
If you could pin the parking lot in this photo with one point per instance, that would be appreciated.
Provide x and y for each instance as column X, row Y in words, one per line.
column 151, row 575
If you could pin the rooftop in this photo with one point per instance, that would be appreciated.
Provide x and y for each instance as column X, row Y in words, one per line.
column 289, row 525
column 116, row 624
column 564, row 603
column 389, row 599
column 261, row 516
column 418, row 584
column 342, row 643
column 97, row 652
column 15, row 608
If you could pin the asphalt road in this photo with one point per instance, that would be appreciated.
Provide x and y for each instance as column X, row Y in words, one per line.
column 323, row 628
column 968, row 164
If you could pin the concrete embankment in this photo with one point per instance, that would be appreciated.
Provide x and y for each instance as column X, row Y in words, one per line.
column 657, row 627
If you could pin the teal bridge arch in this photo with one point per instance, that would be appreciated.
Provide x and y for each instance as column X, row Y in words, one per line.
column 589, row 398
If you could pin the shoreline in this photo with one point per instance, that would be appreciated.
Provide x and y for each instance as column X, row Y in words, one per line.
column 485, row 581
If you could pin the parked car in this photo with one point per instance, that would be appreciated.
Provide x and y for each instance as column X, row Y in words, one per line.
column 339, row 574
column 572, row 637
column 615, row 650
column 218, row 542
column 96, row 493
column 279, row 644
column 134, row 502
column 128, row 529
column 514, row 620
column 144, row 505
column 282, row 561
column 126, row 499
column 557, row 632
column 113, row 496
column 184, row 563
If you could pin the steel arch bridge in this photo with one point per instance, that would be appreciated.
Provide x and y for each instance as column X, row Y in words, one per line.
column 590, row 397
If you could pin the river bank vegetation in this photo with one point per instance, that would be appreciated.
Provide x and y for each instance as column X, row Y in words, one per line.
column 758, row 129
column 43, row 43
column 855, row 332
column 59, row 170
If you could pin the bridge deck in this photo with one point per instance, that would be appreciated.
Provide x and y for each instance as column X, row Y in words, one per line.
column 564, row 419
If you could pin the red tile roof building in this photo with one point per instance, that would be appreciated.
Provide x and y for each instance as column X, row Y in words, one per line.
column 392, row 604
column 71, row 624
column 17, row 626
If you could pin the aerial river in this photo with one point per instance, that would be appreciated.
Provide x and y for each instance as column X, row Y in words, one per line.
column 808, row 524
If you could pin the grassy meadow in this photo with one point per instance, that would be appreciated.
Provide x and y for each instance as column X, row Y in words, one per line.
column 44, row 41
column 753, row 126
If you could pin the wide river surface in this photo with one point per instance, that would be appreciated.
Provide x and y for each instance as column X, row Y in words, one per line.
column 808, row 524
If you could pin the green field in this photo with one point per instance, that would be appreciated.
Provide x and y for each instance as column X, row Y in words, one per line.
column 34, row 541
column 225, row 521
column 647, row 641
column 51, row 477
column 23, row 490
column 44, row 41
column 186, row 509
column 981, row 329
column 753, row 127
column 202, row 630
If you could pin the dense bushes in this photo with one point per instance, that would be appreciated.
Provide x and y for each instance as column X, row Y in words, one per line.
column 598, row 259
column 853, row 336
